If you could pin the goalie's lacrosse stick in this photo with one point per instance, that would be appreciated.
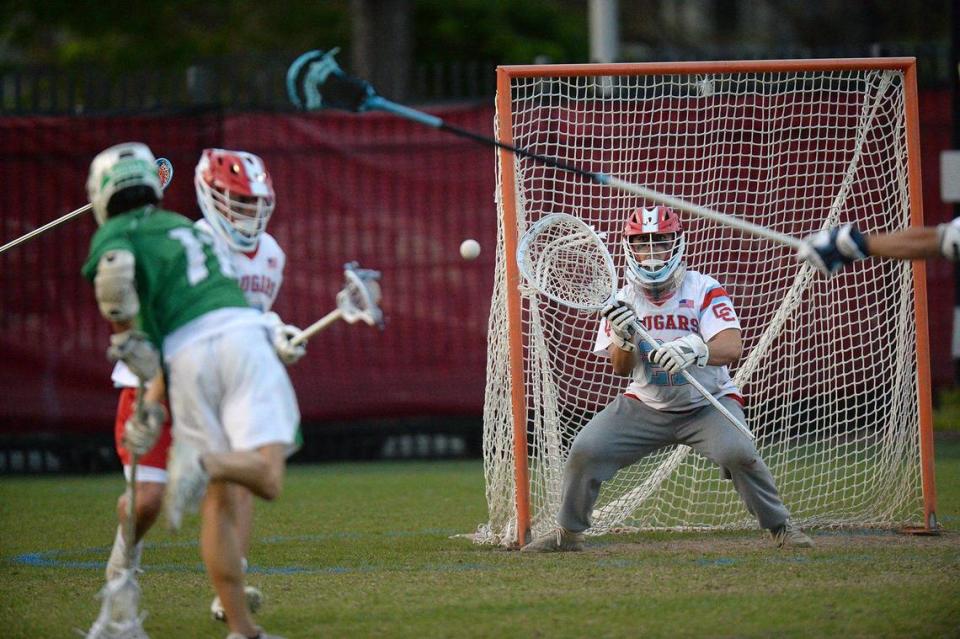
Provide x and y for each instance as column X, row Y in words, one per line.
column 358, row 301
column 315, row 81
column 164, row 171
column 564, row 259
column 119, row 616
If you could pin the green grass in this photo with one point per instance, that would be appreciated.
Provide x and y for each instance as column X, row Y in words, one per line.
column 947, row 415
column 363, row 550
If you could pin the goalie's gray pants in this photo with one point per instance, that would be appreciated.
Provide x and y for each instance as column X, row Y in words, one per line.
column 628, row 430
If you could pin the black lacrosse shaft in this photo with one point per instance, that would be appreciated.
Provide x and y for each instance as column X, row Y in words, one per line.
column 557, row 164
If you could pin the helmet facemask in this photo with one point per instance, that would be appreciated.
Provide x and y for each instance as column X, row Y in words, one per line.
column 653, row 244
column 236, row 196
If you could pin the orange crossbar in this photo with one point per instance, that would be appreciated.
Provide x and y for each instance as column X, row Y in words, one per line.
column 689, row 68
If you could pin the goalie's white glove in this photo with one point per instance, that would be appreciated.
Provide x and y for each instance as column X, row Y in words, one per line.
column 830, row 250
column 281, row 334
column 621, row 318
column 136, row 351
column 141, row 431
column 680, row 354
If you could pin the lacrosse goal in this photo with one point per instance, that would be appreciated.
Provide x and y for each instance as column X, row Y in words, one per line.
column 835, row 371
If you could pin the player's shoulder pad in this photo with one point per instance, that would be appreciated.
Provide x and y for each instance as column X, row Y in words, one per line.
column 270, row 243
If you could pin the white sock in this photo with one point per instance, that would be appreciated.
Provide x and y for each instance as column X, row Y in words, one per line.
column 118, row 556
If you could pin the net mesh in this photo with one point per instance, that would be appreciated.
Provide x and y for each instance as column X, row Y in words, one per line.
column 829, row 365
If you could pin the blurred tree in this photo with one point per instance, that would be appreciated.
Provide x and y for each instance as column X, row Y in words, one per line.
column 500, row 30
column 117, row 35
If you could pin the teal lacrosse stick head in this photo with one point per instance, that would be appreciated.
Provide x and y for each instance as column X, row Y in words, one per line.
column 315, row 81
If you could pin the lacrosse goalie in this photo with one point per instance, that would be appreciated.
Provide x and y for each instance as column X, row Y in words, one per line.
column 168, row 287
column 693, row 321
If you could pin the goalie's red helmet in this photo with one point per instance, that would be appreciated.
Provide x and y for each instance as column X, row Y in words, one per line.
column 235, row 194
column 653, row 243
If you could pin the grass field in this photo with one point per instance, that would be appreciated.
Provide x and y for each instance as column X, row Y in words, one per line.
column 364, row 550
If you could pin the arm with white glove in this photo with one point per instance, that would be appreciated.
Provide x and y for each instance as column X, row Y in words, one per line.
column 621, row 318
column 142, row 429
column 677, row 355
column 682, row 353
column 282, row 335
column 830, row 250
column 136, row 351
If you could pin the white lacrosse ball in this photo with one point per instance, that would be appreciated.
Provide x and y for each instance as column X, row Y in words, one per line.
column 469, row 249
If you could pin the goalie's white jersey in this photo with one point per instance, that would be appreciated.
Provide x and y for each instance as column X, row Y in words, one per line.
column 700, row 306
column 259, row 273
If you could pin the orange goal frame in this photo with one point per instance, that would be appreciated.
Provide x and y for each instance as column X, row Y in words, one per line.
column 505, row 74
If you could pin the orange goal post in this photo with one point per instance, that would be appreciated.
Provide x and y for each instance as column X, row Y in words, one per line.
column 835, row 371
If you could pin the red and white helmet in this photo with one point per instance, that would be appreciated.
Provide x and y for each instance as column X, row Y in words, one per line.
column 235, row 194
column 653, row 244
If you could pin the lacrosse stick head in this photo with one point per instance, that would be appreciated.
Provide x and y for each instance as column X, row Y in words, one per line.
column 119, row 613
column 561, row 257
column 315, row 81
column 360, row 298
column 122, row 178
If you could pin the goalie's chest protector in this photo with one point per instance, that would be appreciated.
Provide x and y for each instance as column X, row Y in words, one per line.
column 701, row 306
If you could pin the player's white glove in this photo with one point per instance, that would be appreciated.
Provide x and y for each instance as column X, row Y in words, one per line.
column 136, row 351
column 281, row 334
column 948, row 235
column 141, row 431
column 830, row 250
column 680, row 354
column 621, row 318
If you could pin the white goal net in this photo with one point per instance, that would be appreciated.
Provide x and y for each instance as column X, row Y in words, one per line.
column 830, row 366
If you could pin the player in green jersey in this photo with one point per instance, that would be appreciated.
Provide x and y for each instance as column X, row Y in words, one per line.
column 168, row 288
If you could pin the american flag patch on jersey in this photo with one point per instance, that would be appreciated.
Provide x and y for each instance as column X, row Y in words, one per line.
column 686, row 303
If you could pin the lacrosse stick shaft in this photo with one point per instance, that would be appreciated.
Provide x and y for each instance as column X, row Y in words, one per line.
column 46, row 227
column 317, row 326
column 162, row 164
column 130, row 525
column 383, row 104
column 648, row 338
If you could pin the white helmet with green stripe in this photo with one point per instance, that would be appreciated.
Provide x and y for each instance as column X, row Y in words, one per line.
column 130, row 165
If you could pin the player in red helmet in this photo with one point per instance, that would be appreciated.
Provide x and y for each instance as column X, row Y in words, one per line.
column 653, row 244
column 235, row 194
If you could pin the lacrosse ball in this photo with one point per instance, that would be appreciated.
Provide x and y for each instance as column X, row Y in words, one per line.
column 469, row 249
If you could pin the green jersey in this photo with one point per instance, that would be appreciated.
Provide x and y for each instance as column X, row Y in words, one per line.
column 181, row 273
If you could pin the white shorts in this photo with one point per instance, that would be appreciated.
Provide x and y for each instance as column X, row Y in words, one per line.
column 230, row 392
column 147, row 474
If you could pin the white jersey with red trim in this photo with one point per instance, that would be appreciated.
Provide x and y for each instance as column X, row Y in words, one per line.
column 259, row 273
column 700, row 306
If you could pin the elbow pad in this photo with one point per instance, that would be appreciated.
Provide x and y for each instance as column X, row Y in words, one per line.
column 948, row 235
column 115, row 286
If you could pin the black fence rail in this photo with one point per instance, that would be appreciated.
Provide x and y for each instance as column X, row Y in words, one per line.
column 257, row 83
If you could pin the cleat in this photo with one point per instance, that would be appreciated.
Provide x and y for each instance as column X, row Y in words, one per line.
column 788, row 535
column 557, row 540
column 254, row 603
column 186, row 485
